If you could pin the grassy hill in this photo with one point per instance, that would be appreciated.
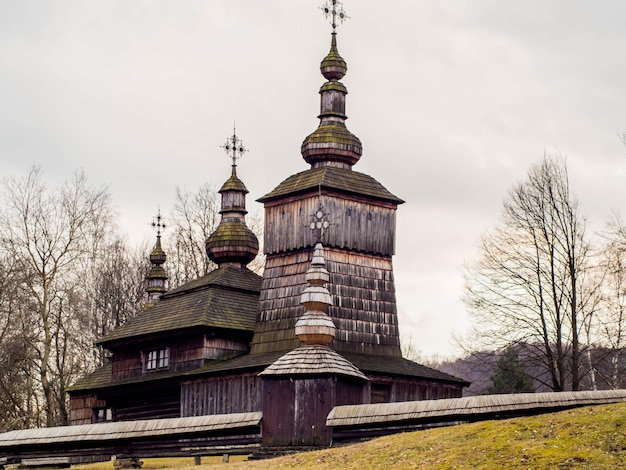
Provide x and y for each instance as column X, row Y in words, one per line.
column 591, row 437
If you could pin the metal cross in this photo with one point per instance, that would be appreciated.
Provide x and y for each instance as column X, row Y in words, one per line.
column 234, row 147
column 334, row 9
column 158, row 224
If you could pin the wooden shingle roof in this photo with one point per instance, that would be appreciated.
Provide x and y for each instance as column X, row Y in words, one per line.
column 101, row 378
column 467, row 408
column 340, row 179
column 313, row 360
column 226, row 298
column 366, row 363
column 399, row 366
column 102, row 432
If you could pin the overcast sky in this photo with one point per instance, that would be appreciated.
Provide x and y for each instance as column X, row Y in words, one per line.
column 453, row 101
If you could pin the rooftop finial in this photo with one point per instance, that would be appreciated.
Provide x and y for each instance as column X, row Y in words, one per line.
column 332, row 144
column 158, row 224
column 157, row 276
column 333, row 10
column 233, row 243
column 234, row 147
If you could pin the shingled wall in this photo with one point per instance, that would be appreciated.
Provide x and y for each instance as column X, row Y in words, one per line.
column 364, row 308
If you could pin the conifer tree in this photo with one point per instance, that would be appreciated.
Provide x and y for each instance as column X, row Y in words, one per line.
column 509, row 375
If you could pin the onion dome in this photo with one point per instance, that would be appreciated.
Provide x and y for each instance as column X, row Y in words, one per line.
column 332, row 144
column 233, row 242
column 157, row 276
column 315, row 326
column 333, row 67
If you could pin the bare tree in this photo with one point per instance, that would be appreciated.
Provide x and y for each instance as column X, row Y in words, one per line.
column 113, row 291
column 50, row 234
column 530, row 285
column 194, row 218
column 611, row 324
column 15, row 363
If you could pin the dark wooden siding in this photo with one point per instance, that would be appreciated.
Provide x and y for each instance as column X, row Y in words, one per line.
column 126, row 364
column 157, row 402
column 219, row 395
column 185, row 353
column 82, row 408
column 354, row 224
column 364, row 307
column 389, row 389
column 295, row 409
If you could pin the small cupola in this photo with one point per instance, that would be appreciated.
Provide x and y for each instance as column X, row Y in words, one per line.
column 332, row 144
column 157, row 277
column 315, row 326
column 233, row 243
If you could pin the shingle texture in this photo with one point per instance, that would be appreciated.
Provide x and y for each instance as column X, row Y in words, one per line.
column 366, row 363
column 226, row 298
column 341, row 179
column 398, row 366
column 313, row 360
column 466, row 407
column 129, row 429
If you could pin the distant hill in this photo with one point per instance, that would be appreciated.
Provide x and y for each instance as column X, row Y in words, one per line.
column 599, row 369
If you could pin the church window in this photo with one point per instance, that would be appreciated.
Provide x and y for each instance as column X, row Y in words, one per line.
column 157, row 359
column 102, row 415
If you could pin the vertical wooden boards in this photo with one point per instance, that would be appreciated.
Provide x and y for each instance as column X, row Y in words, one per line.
column 295, row 407
column 354, row 224
column 221, row 395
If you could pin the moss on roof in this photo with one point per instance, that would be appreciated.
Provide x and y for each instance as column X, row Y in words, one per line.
column 328, row 177
column 367, row 363
column 226, row 298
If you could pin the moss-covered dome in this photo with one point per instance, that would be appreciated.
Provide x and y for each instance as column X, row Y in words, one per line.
column 232, row 242
column 332, row 144
column 331, row 141
column 333, row 67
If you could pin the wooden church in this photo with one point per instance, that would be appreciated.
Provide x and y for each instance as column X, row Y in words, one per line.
column 317, row 330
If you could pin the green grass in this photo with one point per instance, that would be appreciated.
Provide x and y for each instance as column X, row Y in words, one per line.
column 591, row 437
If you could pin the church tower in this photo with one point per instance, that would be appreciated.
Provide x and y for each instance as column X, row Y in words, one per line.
column 359, row 241
column 157, row 277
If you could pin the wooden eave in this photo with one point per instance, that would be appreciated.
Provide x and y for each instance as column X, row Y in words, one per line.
column 401, row 367
column 313, row 361
column 465, row 409
column 367, row 363
column 225, row 299
column 158, row 338
column 139, row 429
column 101, row 378
column 228, row 276
column 344, row 180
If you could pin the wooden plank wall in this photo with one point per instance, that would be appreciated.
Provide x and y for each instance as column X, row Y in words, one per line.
column 218, row 395
column 185, row 353
column 412, row 389
column 218, row 348
column 354, row 224
column 295, row 408
column 82, row 406
column 364, row 307
column 126, row 364
column 158, row 402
